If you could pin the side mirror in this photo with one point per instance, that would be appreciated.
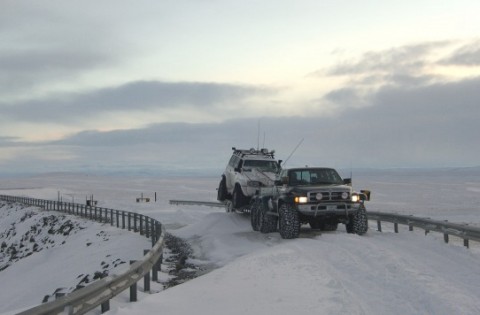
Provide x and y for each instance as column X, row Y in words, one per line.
column 366, row 193
column 347, row 181
column 237, row 169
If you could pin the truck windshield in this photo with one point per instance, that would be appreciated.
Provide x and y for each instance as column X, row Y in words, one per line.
column 262, row 165
column 322, row 176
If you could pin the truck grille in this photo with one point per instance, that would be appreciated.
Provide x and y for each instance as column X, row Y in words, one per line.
column 327, row 195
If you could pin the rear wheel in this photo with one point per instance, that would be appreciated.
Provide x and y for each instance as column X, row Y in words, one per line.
column 222, row 190
column 267, row 223
column 238, row 198
column 254, row 215
column 288, row 221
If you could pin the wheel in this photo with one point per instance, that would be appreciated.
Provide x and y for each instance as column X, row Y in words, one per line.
column 288, row 221
column 358, row 222
column 238, row 198
column 222, row 190
column 267, row 223
column 254, row 215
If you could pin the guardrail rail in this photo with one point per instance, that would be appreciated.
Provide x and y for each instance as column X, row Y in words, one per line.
column 101, row 291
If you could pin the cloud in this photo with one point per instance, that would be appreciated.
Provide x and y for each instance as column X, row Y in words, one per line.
column 434, row 125
column 46, row 45
column 131, row 97
column 467, row 55
column 410, row 59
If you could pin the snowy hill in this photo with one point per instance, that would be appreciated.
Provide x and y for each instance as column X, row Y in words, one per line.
column 254, row 273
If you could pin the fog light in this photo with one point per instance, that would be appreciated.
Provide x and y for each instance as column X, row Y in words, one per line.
column 355, row 198
column 301, row 199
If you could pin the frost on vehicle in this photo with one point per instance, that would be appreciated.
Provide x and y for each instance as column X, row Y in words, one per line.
column 247, row 171
column 315, row 196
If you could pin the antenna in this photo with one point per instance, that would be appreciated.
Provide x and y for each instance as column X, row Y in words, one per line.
column 293, row 151
column 258, row 135
column 263, row 145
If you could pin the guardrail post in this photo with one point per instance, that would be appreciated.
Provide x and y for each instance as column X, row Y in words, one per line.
column 410, row 227
column 146, row 277
column 105, row 306
column 135, row 222
column 123, row 220
column 445, row 237
column 111, row 217
column 395, row 227
column 133, row 288
column 129, row 221
column 379, row 226
column 117, row 217
column 465, row 243
column 147, row 230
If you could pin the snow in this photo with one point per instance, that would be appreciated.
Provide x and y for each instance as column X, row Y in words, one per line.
column 254, row 273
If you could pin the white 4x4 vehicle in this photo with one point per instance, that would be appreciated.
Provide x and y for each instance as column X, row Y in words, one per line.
column 246, row 172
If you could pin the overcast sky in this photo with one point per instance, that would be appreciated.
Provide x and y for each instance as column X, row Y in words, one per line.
column 173, row 85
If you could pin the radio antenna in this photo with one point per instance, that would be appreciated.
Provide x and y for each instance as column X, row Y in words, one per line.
column 258, row 135
column 299, row 143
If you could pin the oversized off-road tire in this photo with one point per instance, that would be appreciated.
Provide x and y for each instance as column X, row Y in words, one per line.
column 222, row 190
column 254, row 214
column 267, row 223
column 358, row 223
column 238, row 198
column 288, row 221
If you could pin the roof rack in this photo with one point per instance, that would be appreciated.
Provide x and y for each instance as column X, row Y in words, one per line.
column 253, row 151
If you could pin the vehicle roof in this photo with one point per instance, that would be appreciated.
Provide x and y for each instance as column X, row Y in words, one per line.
column 252, row 154
column 308, row 168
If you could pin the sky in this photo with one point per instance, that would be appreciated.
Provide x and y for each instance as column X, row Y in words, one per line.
column 173, row 85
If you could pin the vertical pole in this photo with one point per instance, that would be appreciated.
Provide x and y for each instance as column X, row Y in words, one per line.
column 379, row 226
column 105, row 306
column 133, row 288
column 129, row 221
column 465, row 243
column 147, row 231
column 445, row 237
column 134, row 222
column 395, row 226
column 146, row 277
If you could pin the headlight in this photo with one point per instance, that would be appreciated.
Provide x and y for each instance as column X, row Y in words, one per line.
column 344, row 195
column 254, row 183
column 301, row 199
column 355, row 198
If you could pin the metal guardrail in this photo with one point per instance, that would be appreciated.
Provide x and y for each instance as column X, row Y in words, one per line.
column 463, row 231
column 101, row 291
column 198, row 203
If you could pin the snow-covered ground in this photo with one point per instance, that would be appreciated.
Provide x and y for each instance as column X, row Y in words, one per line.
column 254, row 273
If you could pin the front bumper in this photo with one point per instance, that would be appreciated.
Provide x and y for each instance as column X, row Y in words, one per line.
column 320, row 209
